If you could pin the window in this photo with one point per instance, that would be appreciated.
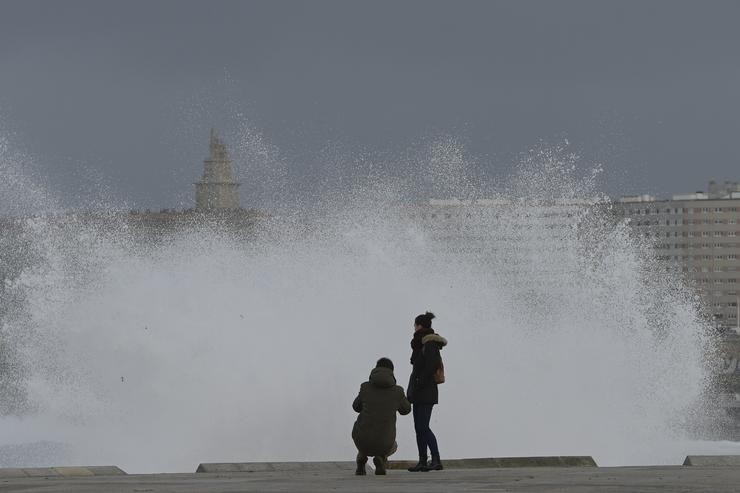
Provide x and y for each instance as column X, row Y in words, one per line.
column 705, row 210
column 705, row 234
column 719, row 257
column 732, row 221
column 732, row 256
column 717, row 233
column 707, row 257
column 718, row 209
column 718, row 221
column 732, row 234
column 718, row 269
column 732, row 281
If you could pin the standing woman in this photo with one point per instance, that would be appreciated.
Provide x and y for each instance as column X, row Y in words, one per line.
column 422, row 391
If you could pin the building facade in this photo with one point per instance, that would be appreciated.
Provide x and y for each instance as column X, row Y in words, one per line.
column 696, row 235
column 509, row 236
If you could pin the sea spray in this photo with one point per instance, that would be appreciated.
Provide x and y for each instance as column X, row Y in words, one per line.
column 204, row 344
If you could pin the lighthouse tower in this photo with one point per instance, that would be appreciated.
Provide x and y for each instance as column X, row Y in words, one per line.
column 217, row 189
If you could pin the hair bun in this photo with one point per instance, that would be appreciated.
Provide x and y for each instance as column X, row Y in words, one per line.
column 425, row 320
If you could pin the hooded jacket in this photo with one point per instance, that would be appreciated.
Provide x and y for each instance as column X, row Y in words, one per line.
column 374, row 431
column 422, row 388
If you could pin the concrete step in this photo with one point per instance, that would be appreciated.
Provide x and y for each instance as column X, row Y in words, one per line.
column 60, row 472
column 712, row 460
column 479, row 463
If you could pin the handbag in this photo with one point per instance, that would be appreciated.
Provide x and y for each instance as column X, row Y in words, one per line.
column 439, row 374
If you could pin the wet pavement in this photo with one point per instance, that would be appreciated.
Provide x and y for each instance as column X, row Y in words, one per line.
column 540, row 479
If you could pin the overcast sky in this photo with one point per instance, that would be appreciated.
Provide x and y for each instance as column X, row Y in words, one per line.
column 122, row 94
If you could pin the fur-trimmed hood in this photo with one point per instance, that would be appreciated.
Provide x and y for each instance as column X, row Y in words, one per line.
column 434, row 338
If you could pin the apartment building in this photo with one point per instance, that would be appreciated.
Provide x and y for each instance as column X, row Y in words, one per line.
column 697, row 235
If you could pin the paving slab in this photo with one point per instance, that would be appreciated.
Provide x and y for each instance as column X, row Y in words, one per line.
column 222, row 467
column 40, row 472
column 498, row 462
column 12, row 472
column 73, row 471
column 106, row 470
column 666, row 479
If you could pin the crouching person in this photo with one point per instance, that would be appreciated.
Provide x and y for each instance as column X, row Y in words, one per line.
column 374, row 432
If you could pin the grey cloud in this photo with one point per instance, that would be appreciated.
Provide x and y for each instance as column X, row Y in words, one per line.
column 128, row 88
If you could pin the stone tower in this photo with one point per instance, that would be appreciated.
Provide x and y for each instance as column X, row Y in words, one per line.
column 217, row 189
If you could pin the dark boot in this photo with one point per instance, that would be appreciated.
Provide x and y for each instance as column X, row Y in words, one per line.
column 436, row 464
column 361, row 461
column 421, row 466
column 379, row 465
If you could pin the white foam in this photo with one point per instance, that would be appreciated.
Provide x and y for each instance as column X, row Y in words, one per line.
column 207, row 349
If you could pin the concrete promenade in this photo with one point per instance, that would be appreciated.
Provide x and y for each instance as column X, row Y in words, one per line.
column 522, row 479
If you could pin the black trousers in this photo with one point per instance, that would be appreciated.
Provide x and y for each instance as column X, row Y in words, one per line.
column 424, row 435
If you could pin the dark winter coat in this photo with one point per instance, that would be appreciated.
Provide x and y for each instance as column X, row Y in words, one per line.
column 374, row 432
column 422, row 388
